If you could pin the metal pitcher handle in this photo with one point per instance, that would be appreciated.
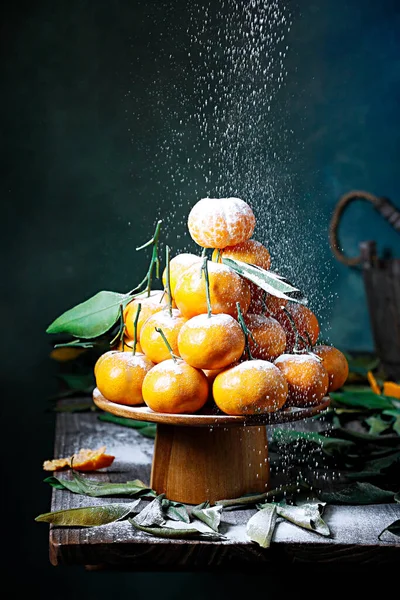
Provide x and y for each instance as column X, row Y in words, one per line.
column 382, row 205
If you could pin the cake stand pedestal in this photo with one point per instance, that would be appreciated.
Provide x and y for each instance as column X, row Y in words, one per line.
column 208, row 455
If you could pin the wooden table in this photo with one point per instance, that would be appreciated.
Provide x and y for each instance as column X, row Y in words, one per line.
column 119, row 545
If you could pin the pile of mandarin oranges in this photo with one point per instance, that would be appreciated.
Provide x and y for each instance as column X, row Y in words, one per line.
column 213, row 337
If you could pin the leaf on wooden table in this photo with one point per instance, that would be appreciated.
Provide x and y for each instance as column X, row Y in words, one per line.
column 261, row 526
column 392, row 528
column 176, row 511
column 152, row 515
column 308, row 516
column 88, row 516
column 210, row 515
column 270, row 282
column 184, row 531
column 395, row 413
column 253, row 499
column 98, row 489
column 149, row 431
column 358, row 493
column 375, row 467
column 91, row 318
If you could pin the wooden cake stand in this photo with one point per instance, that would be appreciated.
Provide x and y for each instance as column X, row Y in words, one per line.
column 208, row 455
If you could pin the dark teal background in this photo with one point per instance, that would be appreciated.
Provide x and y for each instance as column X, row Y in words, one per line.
column 94, row 152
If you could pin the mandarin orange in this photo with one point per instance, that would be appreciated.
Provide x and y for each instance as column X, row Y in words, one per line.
column 152, row 343
column 221, row 222
column 267, row 339
column 211, row 342
column 335, row 363
column 262, row 302
column 126, row 344
column 119, row 376
column 305, row 321
column 150, row 304
column 251, row 252
column 249, row 388
column 174, row 386
column 226, row 288
column 307, row 378
column 178, row 265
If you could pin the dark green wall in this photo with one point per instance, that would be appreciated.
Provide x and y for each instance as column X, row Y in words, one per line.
column 94, row 152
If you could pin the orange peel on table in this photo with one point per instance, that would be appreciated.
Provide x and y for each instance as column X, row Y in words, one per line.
column 373, row 383
column 392, row 389
column 85, row 460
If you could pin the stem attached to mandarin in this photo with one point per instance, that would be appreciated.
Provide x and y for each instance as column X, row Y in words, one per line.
column 173, row 356
column 204, row 268
column 154, row 262
column 121, row 330
column 168, row 278
column 139, row 308
column 245, row 330
column 296, row 332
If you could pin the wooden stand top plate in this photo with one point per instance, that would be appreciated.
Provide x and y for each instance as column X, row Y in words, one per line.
column 208, row 416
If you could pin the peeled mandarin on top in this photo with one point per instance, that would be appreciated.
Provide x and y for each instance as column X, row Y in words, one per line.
column 221, row 222
column 177, row 265
column 250, row 252
column 306, row 323
column 249, row 388
column 173, row 386
column 306, row 376
column 226, row 288
column 152, row 342
column 149, row 304
column 335, row 363
column 211, row 342
column 119, row 376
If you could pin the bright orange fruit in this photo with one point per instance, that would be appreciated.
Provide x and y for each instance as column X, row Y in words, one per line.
column 335, row 363
column 307, row 378
column 305, row 321
column 252, row 387
column 268, row 338
column 119, row 376
column 151, row 340
column 149, row 304
column 226, row 288
column 178, row 265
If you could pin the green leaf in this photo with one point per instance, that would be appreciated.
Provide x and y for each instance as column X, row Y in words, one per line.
column 260, row 527
column 365, row 399
column 330, row 445
column 396, row 423
column 153, row 514
column 374, row 468
column 358, row 493
column 99, row 489
column 91, row 318
column 270, row 282
column 392, row 528
column 149, row 431
column 377, row 425
column 308, row 516
column 88, row 516
column 253, row 499
column 362, row 364
column 78, row 383
column 210, row 515
column 176, row 511
column 172, row 533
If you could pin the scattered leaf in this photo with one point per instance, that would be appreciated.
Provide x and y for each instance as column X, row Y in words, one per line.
column 308, row 516
column 260, row 527
column 210, row 515
column 88, row 516
column 358, row 493
column 377, row 425
column 91, row 318
column 98, row 489
column 153, row 514
column 176, row 511
column 365, row 399
column 171, row 532
column 253, row 499
column 392, row 528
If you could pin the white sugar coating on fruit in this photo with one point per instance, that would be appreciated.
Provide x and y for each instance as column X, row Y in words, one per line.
column 298, row 358
column 163, row 317
column 204, row 321
column 257, row 365
column 184, row 259
column 228, row 208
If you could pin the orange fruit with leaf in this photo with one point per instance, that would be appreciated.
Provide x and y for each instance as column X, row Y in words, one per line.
column 226, row 288
column 252, row 387
column 221, row 222
column 177, row 266
column 150, row 304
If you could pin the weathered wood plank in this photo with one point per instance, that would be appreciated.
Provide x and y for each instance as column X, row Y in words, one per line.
column 355, row 529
